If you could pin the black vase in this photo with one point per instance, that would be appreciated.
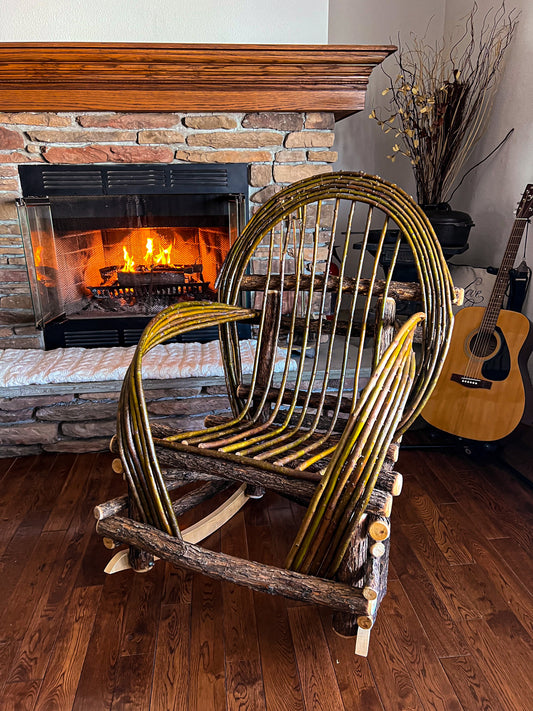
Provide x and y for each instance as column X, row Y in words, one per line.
column 452, row 227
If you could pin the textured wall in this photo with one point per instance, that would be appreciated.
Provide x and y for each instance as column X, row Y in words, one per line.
column 491, row 192
column 244, row 21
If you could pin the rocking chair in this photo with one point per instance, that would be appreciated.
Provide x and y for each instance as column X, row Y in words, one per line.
column 315, row 274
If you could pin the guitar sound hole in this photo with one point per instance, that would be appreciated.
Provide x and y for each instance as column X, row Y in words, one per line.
column 481, row 346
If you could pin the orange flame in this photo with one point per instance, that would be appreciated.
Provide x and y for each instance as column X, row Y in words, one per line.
column 149, row 256
column 129, row 264
column 39, row 262
column 163, row 256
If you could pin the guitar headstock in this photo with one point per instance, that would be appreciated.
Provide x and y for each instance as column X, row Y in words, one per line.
column 525, row 206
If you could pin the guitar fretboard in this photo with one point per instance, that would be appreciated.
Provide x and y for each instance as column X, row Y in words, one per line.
column 490, row 317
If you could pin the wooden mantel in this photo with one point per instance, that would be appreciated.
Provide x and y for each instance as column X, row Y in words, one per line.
column 186, row 77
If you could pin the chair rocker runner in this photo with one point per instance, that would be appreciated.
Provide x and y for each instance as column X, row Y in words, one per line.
column 360, row 352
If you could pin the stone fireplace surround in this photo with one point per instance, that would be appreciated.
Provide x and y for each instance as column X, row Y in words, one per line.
column 280, row 147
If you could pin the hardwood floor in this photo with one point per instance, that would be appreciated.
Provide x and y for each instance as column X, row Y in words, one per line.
column 455, row 631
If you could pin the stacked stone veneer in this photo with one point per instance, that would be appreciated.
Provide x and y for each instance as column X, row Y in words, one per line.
column 85, row 422
column 279, row 148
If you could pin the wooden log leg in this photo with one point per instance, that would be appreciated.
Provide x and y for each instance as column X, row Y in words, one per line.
column 376, row 571
column 357, row 626
column 141, row 561
column 351, row 571
column 193, row 534
column 367, row 561
column 362, row 641
column 344, row 624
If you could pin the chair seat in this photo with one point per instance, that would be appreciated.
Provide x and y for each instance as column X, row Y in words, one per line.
column 182, row 460
column 294, row 440
column 287, row 448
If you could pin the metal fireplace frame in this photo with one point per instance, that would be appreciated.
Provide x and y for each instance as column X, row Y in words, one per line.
column 42, row 182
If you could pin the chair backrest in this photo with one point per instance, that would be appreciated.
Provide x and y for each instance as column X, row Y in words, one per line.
column 323, row 263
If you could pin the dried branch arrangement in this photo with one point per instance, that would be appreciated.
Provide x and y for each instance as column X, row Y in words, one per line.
column 441, row 98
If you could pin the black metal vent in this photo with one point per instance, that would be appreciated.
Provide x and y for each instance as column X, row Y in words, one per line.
column 181, row 178
column 131, row 336
column 58, row 181
column 139, row 177
column 92, row 338
column 120, row 331
column 215, row 176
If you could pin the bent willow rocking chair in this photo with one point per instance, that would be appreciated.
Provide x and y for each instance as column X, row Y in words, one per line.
column 346, row 355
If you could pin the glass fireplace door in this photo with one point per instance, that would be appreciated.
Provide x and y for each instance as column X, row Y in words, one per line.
column 121, row 256
column 39, row 246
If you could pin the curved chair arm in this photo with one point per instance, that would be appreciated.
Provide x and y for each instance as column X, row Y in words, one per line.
column 344, row 491
column 135, row 443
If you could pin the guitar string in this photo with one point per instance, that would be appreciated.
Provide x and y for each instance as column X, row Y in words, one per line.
column 481, row 340
column 479, row 345
column 495, row 304
column 475, row 364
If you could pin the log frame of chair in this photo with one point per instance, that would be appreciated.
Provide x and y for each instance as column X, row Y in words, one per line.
column 323, row 436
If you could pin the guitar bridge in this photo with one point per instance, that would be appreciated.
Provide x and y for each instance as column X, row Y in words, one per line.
column 470, row 382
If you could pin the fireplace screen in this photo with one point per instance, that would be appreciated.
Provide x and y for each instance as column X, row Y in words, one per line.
column 101, row 265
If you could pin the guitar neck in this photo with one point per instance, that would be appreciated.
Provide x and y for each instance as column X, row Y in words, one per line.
column 494, row 305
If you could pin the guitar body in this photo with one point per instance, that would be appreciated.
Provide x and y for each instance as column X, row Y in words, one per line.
column 482, row 397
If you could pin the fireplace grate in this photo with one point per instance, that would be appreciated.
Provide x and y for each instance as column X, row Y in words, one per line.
column 146, row 299
column 196, row 289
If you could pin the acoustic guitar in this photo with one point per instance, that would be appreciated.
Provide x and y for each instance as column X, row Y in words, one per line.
column 481, row 392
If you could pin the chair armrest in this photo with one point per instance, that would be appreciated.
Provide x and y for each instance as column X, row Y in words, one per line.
column 187, row 316
column 345, row 489
column 134, row 437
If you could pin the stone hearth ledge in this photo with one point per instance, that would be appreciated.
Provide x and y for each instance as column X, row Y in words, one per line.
column 66, row 400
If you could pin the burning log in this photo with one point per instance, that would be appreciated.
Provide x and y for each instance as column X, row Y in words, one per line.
column 151, row 277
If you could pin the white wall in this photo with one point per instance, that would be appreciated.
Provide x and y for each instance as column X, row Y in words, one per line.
column 491, row 192
column 359, row 140
column 241, row 21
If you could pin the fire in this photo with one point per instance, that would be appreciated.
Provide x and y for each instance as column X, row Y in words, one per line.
column 163, row 256
column 129, row 264
column 149, row 259
column 149, row 256
column 38, row 258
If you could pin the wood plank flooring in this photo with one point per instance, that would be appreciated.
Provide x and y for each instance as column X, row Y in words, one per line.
column 454, row 633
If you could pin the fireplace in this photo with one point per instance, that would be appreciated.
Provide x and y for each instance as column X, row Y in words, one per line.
column 271, row 107
column 108, row 247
